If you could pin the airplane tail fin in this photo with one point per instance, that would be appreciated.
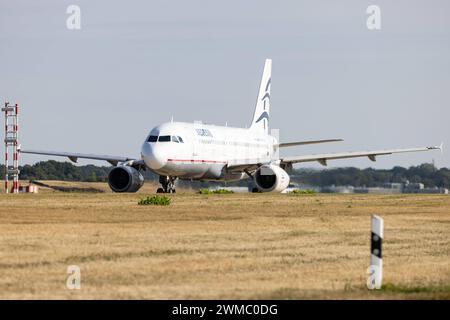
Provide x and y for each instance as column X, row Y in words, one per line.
column 260, row 120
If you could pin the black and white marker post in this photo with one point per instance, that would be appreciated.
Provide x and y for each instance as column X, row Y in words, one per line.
column 376, row 261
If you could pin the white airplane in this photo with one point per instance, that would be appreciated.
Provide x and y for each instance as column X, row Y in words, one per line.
column 196, row 151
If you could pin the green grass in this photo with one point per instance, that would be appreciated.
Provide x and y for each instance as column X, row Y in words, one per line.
column 390, row 287
column 155, row 200
column 218, row 191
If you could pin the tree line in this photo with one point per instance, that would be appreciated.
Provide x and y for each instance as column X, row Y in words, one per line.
column 425, row 173
column 66, row 171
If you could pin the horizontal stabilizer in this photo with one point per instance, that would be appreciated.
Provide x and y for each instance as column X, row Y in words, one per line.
column 300, row 143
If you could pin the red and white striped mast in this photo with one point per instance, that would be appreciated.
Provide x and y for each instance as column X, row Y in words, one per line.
column 11, row 144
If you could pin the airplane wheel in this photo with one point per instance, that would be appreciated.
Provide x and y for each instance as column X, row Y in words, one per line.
column 255, row 190
column 160, row 190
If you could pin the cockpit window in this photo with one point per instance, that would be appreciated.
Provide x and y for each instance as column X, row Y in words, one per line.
column 164, row 139
column 176, row 139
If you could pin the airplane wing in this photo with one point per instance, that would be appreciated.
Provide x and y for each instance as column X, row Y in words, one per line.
column 249, row 165
column 300, row 143
column 322, row 158
column 114, row 160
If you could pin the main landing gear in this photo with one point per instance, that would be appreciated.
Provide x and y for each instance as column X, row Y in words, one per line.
column 167, row 183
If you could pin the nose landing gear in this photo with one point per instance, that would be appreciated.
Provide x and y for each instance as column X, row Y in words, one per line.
column 167, row 183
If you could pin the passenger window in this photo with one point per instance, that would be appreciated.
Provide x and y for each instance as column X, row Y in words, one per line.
column 174, row 139
column 152, row 139
column 164, row 139
column 181, row 140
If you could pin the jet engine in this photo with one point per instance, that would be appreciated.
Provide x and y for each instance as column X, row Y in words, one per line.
column 125, row 179
column 271, row 178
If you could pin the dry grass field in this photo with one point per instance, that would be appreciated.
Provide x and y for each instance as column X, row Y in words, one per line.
column 244, row 246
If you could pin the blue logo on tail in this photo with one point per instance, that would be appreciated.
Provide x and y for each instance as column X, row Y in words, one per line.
column 266, row 97
column 263, row 115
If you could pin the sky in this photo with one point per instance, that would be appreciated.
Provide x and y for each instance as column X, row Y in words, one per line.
column 134, row 64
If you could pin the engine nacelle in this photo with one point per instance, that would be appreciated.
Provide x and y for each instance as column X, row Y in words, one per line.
column 271, row 178
column 125, row 179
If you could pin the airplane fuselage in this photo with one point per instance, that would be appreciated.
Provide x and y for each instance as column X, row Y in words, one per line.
column 201, row 152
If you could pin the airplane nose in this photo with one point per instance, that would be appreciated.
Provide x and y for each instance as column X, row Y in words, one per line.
column 152, row 157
